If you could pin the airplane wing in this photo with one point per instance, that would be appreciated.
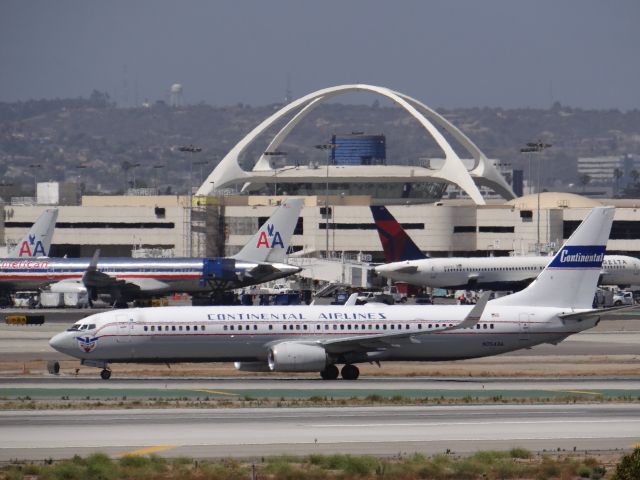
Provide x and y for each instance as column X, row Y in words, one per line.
column 368, row 343
column 602, row 313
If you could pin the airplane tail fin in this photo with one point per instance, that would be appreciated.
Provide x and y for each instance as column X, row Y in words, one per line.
column 271, row 241
column 37, row 242
column 397, row 245
column 570, row 279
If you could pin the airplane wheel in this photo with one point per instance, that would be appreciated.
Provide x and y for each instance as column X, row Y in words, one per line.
column 350, row 372
column 105, row 374
column 53, row 367
column 330, row 372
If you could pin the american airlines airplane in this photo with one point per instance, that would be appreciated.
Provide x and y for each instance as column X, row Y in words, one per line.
column 410, row 265
column 261, row 260
column 35, row 244
column 318, row 338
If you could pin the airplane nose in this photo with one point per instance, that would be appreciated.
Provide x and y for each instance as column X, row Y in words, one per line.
column 57, row 342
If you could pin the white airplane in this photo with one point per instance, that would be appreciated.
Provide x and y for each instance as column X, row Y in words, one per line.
column 408, row 264
column 317, row 338
column 37, row 242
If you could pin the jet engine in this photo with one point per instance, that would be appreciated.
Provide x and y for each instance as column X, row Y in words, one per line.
column 296, row 357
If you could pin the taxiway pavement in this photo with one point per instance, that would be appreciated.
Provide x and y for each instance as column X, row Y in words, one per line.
column 357, row 430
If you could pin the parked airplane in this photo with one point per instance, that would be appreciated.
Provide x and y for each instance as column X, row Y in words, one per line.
column 261, row 260
column 496, row 273
column 316, row 338
column 35, row 244
column 37, row 241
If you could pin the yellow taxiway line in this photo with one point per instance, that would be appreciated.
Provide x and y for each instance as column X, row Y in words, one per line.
column 147, row 450
column 216, row 392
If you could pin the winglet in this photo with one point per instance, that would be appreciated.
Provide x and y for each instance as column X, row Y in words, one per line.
column 93, row 264
column 473, row 317
column 352, row 300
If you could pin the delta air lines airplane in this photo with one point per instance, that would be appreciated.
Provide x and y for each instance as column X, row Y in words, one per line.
column 318, row 338
column 408, row 264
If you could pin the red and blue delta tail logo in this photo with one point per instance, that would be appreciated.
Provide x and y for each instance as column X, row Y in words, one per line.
column 397, row 245
column 579, row 256
column 270, row 238
column 31, row 248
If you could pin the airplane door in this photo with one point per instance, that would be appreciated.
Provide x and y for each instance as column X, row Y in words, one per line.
column 125, row 328
column 433, row 272
column 524, row 327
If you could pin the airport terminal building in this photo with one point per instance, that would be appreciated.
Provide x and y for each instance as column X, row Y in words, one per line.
column 336, row 221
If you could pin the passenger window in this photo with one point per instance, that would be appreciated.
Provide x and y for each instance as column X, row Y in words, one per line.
column 230, row 327
column 342, row 327
column 407, row 326
column 202, row 328
column 370, row 326
column 255, row 327
column 478, row 327
column 195, row 328
column 297, row 327
column 224, row 328
column 290, row 327
column 180, row 328
column 349, row 327
column 304, row 327
column 491, row 326
column 419, row 326
column 173, row 328
column 377, row 327
column 384, row 327
column 270, row 327
column 284, row 327
column 335, row 327
column 153, row 328
column 188, row 328
column 484, row 326
column 393, row 327
column 355, row 326
column 146, row 328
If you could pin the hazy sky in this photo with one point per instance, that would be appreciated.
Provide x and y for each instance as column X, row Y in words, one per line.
column 453, row 53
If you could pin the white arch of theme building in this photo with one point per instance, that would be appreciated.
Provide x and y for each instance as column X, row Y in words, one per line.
column 229, row 172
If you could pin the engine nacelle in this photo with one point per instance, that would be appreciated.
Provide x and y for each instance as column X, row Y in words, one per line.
column 296, row 357
column 252, row 366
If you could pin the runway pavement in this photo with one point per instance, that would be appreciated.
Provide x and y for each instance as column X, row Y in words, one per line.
column 373, row 430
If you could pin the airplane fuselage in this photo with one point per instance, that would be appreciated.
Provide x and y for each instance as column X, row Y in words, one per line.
column 153, row 276
column 498, row 273
column 240, row 334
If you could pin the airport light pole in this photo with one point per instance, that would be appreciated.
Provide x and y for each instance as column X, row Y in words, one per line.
column 35, row 167
column 80, row 167
column 190, row 149
column 275, row 154
column 531, row 148
column 156, row 168
column 133, row 169
column 326, row 146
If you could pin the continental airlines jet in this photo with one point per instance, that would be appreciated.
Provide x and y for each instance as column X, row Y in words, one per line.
column 408, row 264
column 318, row 338
column 261, row 260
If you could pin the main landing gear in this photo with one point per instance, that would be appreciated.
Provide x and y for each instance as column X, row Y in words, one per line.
column 349, row 372
column 105, row 374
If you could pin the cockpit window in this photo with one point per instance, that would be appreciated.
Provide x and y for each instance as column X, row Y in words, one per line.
column 81, row 326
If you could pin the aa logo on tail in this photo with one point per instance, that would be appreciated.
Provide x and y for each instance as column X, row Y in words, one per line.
column 270, row 239
column 31, row 248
